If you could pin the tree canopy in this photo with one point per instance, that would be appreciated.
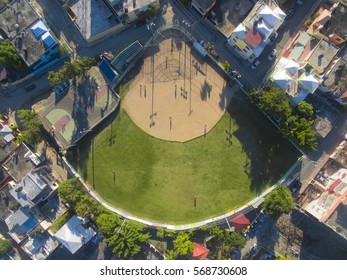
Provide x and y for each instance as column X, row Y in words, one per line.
column 71, row 70
column 223, row 242
column 31, row 134
column 296, row 124
column 182, row 244
column 5, row 245
column 9, row 56
column 128, row 239
column 278, row 202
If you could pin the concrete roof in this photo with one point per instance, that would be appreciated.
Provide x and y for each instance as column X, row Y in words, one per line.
column 19, row 164
column 31, row 189
column 73, row 235
column 5, row 148
column 322, row 55
column 16, row 17
column 269, row 16
column 40, row 245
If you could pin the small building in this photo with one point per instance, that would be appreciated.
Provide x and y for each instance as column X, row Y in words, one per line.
column 7, row 133
column 251, row 36
column 73, row 235
column 20, row 223
column 322, row 56
column 21, row 161
column 40, row 245
column 292, row 77
column 203, row 6
column 129, row 10
column 200, row 252
column 34, row 188
column 330, row 23
column 240, row 222
column 6, row 148
column 29, row 34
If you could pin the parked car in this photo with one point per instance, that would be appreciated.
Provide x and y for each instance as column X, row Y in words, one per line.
column 299, row 2
column 272, row 55
column 255, row 64
column 214, row 54
column 30, row 88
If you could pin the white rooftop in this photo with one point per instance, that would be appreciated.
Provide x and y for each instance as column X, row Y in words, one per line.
column 269, row 16
column 240, row 31
column 73, row 235
column 309, row 82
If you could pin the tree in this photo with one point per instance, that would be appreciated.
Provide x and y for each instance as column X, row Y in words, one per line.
column 71, row 191
column 128, row 239
column 31, row 134
column 274, row 103
column 208, row 46
column 71, row 70
column 108, row 223
column 5, row 245
column 160, row 233
column 9, row 56
column 182, row 244
column 305, row 110
column 278, row 202
column 226, row 65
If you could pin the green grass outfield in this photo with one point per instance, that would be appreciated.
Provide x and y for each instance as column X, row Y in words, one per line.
column 157, row 180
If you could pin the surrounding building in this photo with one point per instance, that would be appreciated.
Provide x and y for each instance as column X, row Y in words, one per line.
column 251, row 36
column 40, row 245
column 203, row 6
column 129, row 10
column 29, row 34
column 73, row 235
column 200, row 252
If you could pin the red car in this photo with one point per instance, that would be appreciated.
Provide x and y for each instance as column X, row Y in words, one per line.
column 214, row 54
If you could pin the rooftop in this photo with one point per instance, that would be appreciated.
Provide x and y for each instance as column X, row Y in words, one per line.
column 5, row 148
column 8, row 204
column 322, row 55
column 337, row 23
column 99, row 18
column 337, row 76
column 73, row 235
column 21, row 162
column 30, row 46
column 53, row 208
column 40, row 245
column 253, row 38
column 21, row 221
column 230, row 13
column 32, row 189
column 16, row 17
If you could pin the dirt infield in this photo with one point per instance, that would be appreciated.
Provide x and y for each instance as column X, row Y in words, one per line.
column 177, row 95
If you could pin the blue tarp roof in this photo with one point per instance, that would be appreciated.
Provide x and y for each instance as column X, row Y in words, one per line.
column 38, row 32
column 106, row 70
column 49, row 41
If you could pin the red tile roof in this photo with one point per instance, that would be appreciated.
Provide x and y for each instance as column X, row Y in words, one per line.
column 200, row 252
column 240, row 222
column 253, row 38
column 334, row 185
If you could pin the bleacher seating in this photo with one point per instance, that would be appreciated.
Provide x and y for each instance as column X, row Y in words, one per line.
column 126, row 55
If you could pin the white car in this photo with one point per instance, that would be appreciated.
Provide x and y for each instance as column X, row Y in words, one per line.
column 255, row 64
column 272, row 55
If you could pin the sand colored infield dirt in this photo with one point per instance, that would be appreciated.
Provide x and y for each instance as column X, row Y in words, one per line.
column 170, row 107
